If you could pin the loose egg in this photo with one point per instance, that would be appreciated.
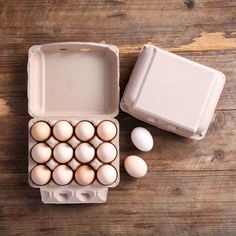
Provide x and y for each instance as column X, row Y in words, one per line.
column 106, row 152
column 40, row 175
column 62, row 130
column 40, row 131
column 62, row 175
column 84, row 130
column 84, row 152
column 106, row 174
column 84, row 175
column 106, row 130
column 63, row 152
column 135, row 166
column 41, row 152
column 142, row 139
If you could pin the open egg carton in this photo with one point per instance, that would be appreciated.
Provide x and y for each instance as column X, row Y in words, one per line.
column 73, row 83
column 66, row 187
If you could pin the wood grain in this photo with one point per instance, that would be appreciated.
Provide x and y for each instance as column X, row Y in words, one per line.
column 190, row 188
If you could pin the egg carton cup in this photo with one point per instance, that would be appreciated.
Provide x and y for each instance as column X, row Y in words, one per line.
column 73, row 192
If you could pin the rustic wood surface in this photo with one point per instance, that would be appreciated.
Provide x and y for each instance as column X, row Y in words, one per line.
column 190, row 188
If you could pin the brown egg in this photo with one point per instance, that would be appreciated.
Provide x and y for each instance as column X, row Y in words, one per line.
column 40, row 175
column 41, row 152
column 40, row 131
column 135, row 166
column 84, row 175
column 106, row 130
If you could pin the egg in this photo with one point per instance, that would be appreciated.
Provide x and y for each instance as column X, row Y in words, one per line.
column 62, row 175
column 106, row 130
column 63, row 152
column 106, row 174
column 41, row 152
column 40, row 131
column 142, row 139
column 40, row 175
column 106, row 152
column 84, row 152
column 84, row 130
column 135, row 166
column 84, row 175
column 62, row 130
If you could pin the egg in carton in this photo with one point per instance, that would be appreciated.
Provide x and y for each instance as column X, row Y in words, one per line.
column 72, row 83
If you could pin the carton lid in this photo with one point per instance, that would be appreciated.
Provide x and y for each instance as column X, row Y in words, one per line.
column 73, row 79
column 172, row 92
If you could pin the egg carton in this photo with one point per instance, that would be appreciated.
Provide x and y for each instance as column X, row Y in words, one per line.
column 73, row 81
column 73, row 192
column 172, row 92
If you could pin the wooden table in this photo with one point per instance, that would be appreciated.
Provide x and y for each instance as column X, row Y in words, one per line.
column 190, row 188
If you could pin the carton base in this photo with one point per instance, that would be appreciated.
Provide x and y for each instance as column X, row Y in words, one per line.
column 73, row 196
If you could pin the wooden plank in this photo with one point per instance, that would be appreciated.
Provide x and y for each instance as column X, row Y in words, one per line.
column 170, row 152
column 190, row 187
column 121, row 219
column 157, row 187
column 13, row 85
column 169, row 24
column 13, row 106
column 118, row 21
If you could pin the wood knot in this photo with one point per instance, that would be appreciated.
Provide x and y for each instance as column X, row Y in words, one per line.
column 219, row 120
column 56, row 29
column 178, row 191
column 218, row 155
column 189, row 4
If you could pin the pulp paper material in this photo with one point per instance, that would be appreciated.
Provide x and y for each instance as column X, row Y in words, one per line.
column 73, row 81
column 172, row 93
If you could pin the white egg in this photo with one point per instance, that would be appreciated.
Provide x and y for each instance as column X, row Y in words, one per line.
column 84, row 152
column 40, row 131
column 142, row 139
column 106, row 152
column 41, row 152
column 106, row 174
column 135, row 166
column 40, row 175
column 84, row 130
column 63, row 152
column 106, row 130
column 62, row 175
column 62, row 130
